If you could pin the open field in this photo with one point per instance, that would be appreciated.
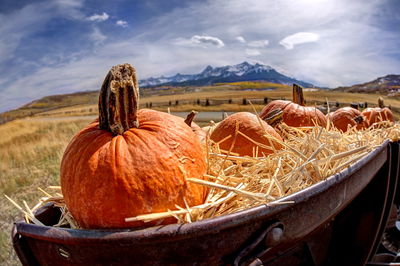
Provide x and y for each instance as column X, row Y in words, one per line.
column 30, row 153
column 235, row 93
column 85, row 103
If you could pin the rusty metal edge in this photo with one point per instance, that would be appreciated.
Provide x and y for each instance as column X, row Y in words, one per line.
column 182, row 231
column 390, row 195
column 22, row 249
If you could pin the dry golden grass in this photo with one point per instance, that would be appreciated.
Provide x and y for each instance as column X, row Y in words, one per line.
column 30, row 152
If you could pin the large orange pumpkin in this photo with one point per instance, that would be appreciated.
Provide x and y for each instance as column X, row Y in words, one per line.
column 131, row 161
column 347, row 117
column 295, row 114
column 226, row 135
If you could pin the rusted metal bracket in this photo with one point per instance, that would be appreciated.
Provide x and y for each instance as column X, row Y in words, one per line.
column 269, row 238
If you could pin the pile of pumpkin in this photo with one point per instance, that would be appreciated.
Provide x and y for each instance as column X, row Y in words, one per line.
column 134, row 168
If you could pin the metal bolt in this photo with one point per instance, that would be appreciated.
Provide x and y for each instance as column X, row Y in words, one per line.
column 63, row 253
column 256, row 262
column 274, row 237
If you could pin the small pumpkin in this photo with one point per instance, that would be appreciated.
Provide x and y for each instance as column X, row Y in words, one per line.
column 378, row 114
column 295, row 114
column 229, row 134
column 347, row 117
column 130, row 161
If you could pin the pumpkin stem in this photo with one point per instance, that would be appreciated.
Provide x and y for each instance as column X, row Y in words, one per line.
column 298, row 96
column 381, row 103
column 274, row 117
column 119, row 100
column 190, row 117
column 359, row 119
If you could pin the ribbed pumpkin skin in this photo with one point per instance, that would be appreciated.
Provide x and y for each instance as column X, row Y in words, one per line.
column 344, row 117
column 250, row 126
column 378, row 114
column 295, row 115
column 106, row 178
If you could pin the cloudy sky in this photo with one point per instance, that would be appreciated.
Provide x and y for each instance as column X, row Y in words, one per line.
column 60, row 46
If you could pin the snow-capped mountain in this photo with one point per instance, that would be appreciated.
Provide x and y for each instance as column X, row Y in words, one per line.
column 387, row 85
column 240, row 72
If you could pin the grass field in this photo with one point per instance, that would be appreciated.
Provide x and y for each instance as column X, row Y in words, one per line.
column 30, row 152
column 31, row 148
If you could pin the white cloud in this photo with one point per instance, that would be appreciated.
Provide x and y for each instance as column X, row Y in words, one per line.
column 30, row 19
column 69, row 8
column 199, row 40
column 97, row 36
column 352, row 46
column 298, row 38
column 252, row 52
column 122, row 23
column 207, row 40
column 99, row 18
column 240, row 39
column 258, row 44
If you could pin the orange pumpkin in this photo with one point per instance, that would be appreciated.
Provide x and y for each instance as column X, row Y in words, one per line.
column 347, row 117
column 378, row 114
column 247, row 124
column 295, row 114
column 131, row 161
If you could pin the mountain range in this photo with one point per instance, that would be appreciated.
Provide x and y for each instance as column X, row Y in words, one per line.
column 231, row 73
column 388, row 85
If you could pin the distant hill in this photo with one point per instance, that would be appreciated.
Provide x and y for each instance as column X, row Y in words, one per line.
column 49, row 103
column 210, row 75
column 388, row 85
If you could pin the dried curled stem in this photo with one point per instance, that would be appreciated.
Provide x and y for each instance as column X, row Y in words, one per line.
column 359, row 119
column 189, row 118
column 274, row 117
column 119, row 100
column 381, row 102
column 298, row 96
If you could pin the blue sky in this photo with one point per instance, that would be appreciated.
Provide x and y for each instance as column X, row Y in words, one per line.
column 61, row 46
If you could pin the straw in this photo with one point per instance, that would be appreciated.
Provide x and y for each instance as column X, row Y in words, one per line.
column 308, row 155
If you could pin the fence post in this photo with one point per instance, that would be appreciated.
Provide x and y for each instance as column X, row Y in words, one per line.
column 354, row 105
